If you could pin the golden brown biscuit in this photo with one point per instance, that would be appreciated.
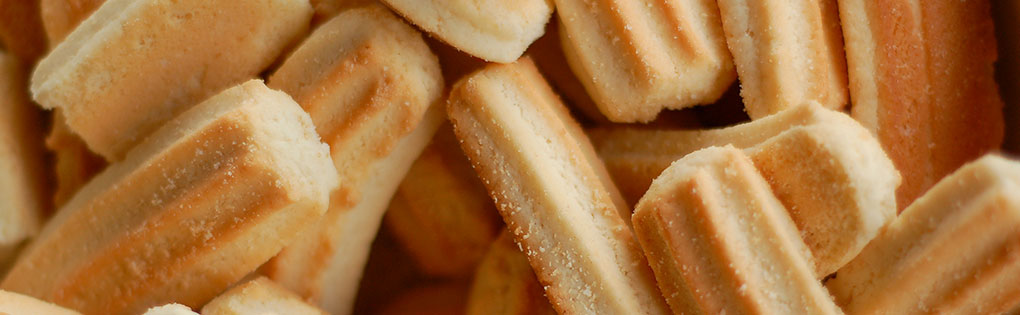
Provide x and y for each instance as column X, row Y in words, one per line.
column 207, row 199
column 74, row 165
column 721, row 242
column 259, row 296
column 956, row 250
column 828, row 171
column 435, row 299
column 636, row 58
column 127, row 58
column 441, row 213
column 493, row 30
column 548, row 56
column 504, row 283
column 23, row 186
column 922, row 81
column 16, row 304
column 552, row 191
column 60, row 17
column 787, row 52
column 368, row 81
column 21, row 29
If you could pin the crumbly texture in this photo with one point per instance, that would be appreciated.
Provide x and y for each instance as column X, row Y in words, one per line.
column 60, row 17
column 24, row 200
column 505, row 284
column 258, row 296
column 470, row 25
column 546, row 181
column 787, row 52
column 170, row 309
column 369, row 83
column 207, row 199
column 829, row 172
column 441, row 213
column 636, row 58
column 126, row 58
column 954, row 250
column 721, row 242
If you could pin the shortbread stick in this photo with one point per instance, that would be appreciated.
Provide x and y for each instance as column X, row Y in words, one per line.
column 368, row 80
column 828, row 171
column 127, row 59
column 505, row 284
column 493, row 30
column 550, row 60
column 327, row 9
column 24, row 200
column 441, row 213
column 721, row 242
column 930, row 99
column 955, row 250
column 787, row 52
column 552, row 191
column 207, row 199
column 60, row 17
column 259, row 295
column 636, row 58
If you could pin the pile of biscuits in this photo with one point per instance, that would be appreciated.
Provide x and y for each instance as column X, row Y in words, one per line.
column 508, row 157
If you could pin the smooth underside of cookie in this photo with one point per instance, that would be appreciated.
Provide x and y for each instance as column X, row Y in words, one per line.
column 469, row 25
column 206, row 200
column 636, row 58
column 916, row 265
column 531, row 158
column 721, row 242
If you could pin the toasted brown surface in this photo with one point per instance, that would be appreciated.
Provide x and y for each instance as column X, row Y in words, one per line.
column 21, row 29
column 74, row 164
column 204, row 201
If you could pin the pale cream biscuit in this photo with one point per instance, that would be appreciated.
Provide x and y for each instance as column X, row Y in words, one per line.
column 135, row 64
column 636, row 58
column 494, row 30
column 787, row 52
column 721, row 242
column 955, row 250
column 16, row 304
column 552, row 191
column 369, row 82
column 829, row 172
column 207, row 199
